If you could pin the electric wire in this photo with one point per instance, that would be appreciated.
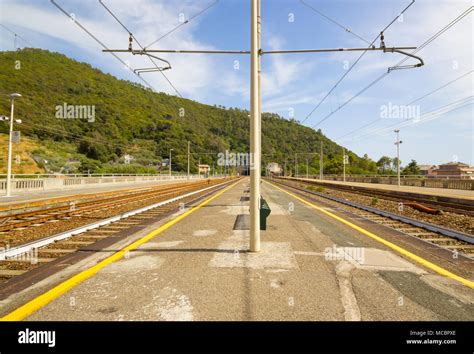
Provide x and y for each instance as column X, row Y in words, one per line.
column 335, row 22
column 353, row 65
column 136, row 40
column 421, row 47
column 15, row 34
column 182, row 24
column 101, row 43
column 425, row 117
column 410, row 103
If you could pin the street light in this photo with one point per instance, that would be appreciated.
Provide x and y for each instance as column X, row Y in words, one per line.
column 398, row 142
column 170, row 162
column 10, row 140
column 189, row 148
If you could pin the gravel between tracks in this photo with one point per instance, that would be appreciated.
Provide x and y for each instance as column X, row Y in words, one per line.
column 33, row 233
column 459, row 222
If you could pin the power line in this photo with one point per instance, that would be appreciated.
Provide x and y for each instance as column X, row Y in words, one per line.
column 39, row 127
column 16, row 35
column 434, row 113
column 101, row 43
column 136, row 40
column 421, row 47
column 353, row 65
column 415, row 100
column 335, row 22
column 182, row 24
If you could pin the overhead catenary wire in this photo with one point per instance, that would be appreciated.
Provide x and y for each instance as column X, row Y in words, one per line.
column 419, row 48
column 101, row 43
column 182, row 24
column 136, row 40
column 410, row 103
column 16, row 35
column 335, row 22
column 425, row 117
column 355, row 63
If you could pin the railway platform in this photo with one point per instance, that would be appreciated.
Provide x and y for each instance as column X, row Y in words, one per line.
column 315, row 264
column 449, row 195
column 442, row 192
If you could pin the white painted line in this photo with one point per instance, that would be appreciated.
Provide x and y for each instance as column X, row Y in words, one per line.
column 14, row 252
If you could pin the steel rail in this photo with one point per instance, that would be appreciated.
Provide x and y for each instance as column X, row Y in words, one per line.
column 8, row 253
column 424, row 225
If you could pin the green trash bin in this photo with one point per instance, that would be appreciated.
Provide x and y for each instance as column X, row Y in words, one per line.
column 264, row 212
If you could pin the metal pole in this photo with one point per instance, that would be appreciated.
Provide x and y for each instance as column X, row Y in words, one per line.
column 170, row 163
column 10, row 140
column 295, row 164
column 254, row 130
column 321, row 167
column 344, row 164
column 189, row 147
column 307, row 169
column 398, row 142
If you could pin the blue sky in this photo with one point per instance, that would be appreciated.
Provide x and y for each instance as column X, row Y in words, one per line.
column 293, row 84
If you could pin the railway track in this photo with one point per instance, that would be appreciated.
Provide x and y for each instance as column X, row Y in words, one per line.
column 30, row 255
column 19, row 219
column 454, row 241
column 458, row 208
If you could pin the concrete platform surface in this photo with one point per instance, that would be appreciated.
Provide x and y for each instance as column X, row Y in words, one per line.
column 441, row 192
column 311, row 267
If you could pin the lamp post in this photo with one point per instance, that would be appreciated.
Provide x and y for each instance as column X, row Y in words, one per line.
column 296, row 165
column 344, row 161
column 321, row 163
column 170, row 162
column 189, row 148
column 398, row 142
column 10, row 140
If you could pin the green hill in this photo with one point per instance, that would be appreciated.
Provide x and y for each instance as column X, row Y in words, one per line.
column 130, row 119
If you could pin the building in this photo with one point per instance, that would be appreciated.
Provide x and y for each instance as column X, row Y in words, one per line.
column 428, row 170
column 204, row 169
column 127, row 159
column 455, row 170
column 274, row 168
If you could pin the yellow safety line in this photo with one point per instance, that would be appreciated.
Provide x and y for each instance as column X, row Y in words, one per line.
column 42, row 300
column 399, row 249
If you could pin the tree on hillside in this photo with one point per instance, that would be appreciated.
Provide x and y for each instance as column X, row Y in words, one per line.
column 411, row 169
column 394, row 164
column 384, row 164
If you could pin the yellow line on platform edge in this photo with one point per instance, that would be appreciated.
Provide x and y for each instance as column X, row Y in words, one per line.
column 34, row 305
column 399, row 249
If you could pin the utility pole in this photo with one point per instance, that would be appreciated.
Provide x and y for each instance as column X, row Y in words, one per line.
column 255, row 127
column 343, row 164
column 321, row 168
column 189, row 149
column 10, row 147
column 296, row 165
column 170, row 162
column 398, row 142
column 307, row 169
